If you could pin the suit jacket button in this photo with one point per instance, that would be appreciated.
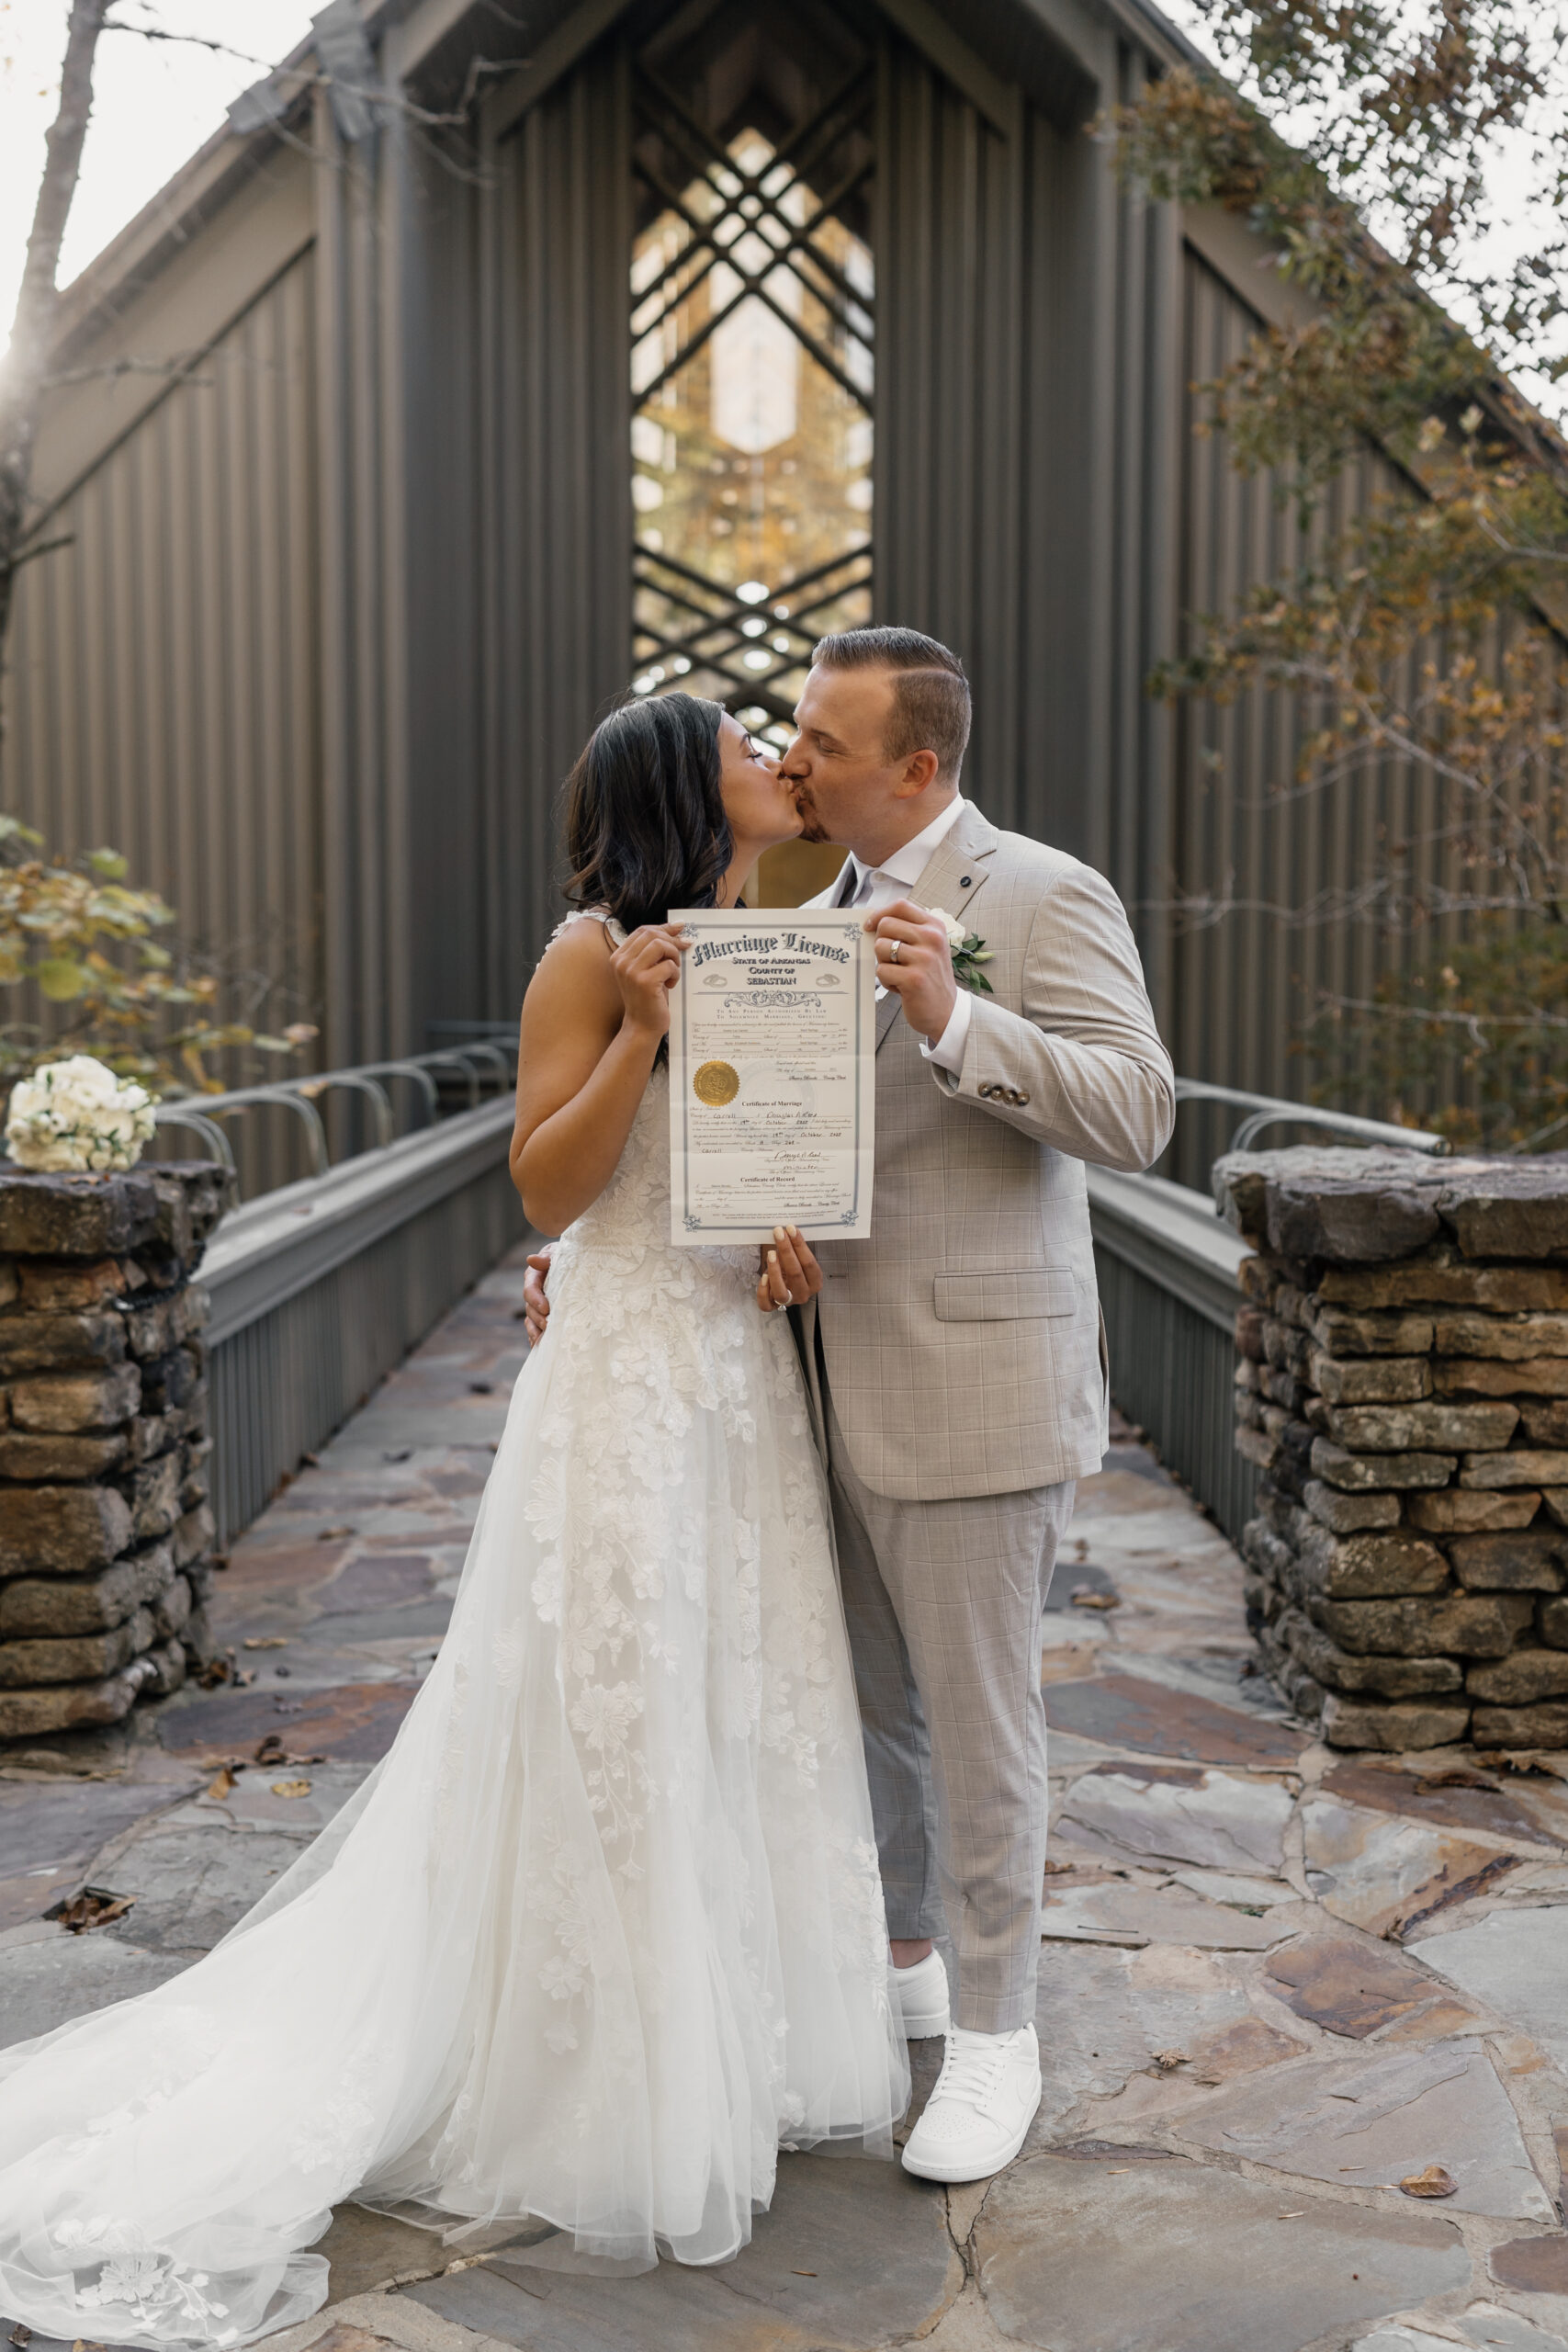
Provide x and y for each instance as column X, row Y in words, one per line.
column 1021, row 1098
column 986, row 1091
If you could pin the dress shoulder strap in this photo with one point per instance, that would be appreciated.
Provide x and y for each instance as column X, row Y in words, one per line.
column 613, row 929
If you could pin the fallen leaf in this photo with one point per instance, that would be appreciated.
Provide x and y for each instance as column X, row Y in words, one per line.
column 271, row 1750
column 1168, row 2060
column 221, row 1783
column 398, row 1454
column 1053, row 1869
column 1433, row 2182
column 86, row 2344
column 1294, row 2215
column 1113, row 2170
column 264, row 1642
column 803, row 2274
column 1084, row 1596
column 330, row 1534
column 291, row 1788
column 314, row 1459
column 21, row 2333
column 94, row 1907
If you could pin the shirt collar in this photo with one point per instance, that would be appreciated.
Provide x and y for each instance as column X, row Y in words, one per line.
column 908, row 864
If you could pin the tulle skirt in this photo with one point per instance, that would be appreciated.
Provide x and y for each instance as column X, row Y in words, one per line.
column 599, row 1934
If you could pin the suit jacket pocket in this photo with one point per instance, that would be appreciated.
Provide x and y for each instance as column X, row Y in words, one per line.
column 1005, row 1298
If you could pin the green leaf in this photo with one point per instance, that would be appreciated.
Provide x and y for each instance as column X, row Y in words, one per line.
column 61, row 978
column 109, row 862
column 13, row 829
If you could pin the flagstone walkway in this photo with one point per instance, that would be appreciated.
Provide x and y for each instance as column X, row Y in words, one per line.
column 1276, row 1982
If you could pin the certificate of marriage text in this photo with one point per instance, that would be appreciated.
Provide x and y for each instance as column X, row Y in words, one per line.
column 772, row 1075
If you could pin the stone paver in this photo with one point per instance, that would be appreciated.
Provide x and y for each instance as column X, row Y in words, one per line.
column 1275, row 1980
column 1142, row 2258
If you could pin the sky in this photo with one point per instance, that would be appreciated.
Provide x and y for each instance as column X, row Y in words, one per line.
column 156, row 102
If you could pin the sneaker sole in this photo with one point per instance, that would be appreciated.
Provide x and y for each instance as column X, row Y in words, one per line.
column 922, row 2025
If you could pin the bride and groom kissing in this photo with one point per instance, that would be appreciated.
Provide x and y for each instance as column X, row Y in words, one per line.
column 739, row 1705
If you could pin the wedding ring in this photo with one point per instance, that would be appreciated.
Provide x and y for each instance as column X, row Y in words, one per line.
column 892, row 951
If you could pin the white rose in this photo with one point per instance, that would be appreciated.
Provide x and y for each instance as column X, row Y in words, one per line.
column 956, row 931
column 76, row 1114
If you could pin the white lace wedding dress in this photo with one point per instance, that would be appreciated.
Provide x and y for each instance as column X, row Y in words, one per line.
column 599, row 1934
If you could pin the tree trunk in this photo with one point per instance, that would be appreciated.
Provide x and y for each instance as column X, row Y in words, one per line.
column 22, row 373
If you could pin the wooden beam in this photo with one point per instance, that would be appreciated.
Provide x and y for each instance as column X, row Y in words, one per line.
column 555, row 56
column 928, row 29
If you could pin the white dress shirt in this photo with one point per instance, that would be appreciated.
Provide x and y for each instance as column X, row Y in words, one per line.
column 876, row 887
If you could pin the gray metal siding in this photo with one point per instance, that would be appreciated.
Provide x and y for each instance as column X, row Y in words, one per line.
column 556, row 513
column 286, row 1380
column 1027, row 420
column 1242, row 987
column 162, row 674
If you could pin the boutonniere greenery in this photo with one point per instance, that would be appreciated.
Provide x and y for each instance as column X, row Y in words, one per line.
column 968, row 951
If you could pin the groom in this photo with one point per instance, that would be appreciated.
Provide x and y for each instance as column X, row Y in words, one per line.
column 956, row 1359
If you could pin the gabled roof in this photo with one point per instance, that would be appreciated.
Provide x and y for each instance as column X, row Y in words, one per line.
column 991, row 48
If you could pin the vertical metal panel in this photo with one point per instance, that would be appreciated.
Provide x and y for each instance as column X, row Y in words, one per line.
column 1027, row 417
column 556, row 484
column 1244, row 986
column 1173, row 1372
column 163, row 688
column 951, row 322
column 286, row 1380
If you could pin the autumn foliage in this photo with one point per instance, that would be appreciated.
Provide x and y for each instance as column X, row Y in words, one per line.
column 1427, row 633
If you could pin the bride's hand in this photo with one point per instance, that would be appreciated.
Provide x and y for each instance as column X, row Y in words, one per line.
column 646, row 968
column 789, row 1274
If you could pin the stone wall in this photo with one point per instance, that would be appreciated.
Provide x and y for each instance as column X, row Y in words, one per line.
column 1402, row 1387
column 105, row 1534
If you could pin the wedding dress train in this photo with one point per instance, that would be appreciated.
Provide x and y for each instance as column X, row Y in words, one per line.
column 599, row 1934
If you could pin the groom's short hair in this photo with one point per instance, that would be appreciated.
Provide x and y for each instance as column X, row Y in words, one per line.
column 931, row 692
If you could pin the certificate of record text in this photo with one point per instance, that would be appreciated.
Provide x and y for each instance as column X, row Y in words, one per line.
column 772, row 1075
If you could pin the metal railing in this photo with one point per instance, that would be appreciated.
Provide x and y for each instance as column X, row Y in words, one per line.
column 473, row 1063
column 1276, row 1110
column 319, row 1286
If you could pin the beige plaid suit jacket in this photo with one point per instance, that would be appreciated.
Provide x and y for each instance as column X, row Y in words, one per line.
column 962, row 1341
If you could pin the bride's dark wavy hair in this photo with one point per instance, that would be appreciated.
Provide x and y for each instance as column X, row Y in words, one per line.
column 645, row 828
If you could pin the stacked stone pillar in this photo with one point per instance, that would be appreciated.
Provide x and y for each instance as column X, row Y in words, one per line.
column 1402, row 1387
column 106, row 1531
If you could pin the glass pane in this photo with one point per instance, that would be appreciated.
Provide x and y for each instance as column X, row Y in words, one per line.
column 751, row 436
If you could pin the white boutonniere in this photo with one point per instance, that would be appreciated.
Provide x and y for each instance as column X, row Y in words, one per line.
column 968, row 951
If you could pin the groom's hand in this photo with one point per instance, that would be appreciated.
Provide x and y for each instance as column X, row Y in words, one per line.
column 914, row 959
column 535, row 1306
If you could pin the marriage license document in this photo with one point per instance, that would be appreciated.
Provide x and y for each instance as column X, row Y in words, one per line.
column 772, row 1075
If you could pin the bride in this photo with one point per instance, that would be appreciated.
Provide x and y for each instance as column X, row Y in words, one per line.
column 603, row 1931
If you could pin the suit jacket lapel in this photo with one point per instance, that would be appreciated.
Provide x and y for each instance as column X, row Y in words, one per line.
column 960, row 853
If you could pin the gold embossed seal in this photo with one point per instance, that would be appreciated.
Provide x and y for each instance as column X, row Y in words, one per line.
column 716, row 1084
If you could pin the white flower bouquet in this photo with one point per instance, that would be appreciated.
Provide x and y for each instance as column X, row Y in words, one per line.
column 77, row 1114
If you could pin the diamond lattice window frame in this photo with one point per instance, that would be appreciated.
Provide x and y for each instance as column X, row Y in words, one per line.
column 739, row 228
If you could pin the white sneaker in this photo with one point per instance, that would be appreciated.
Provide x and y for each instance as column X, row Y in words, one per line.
column 984, row 2103
column 922, row 1999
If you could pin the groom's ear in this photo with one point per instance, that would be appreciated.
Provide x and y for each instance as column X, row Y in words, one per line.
column 921, row 770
